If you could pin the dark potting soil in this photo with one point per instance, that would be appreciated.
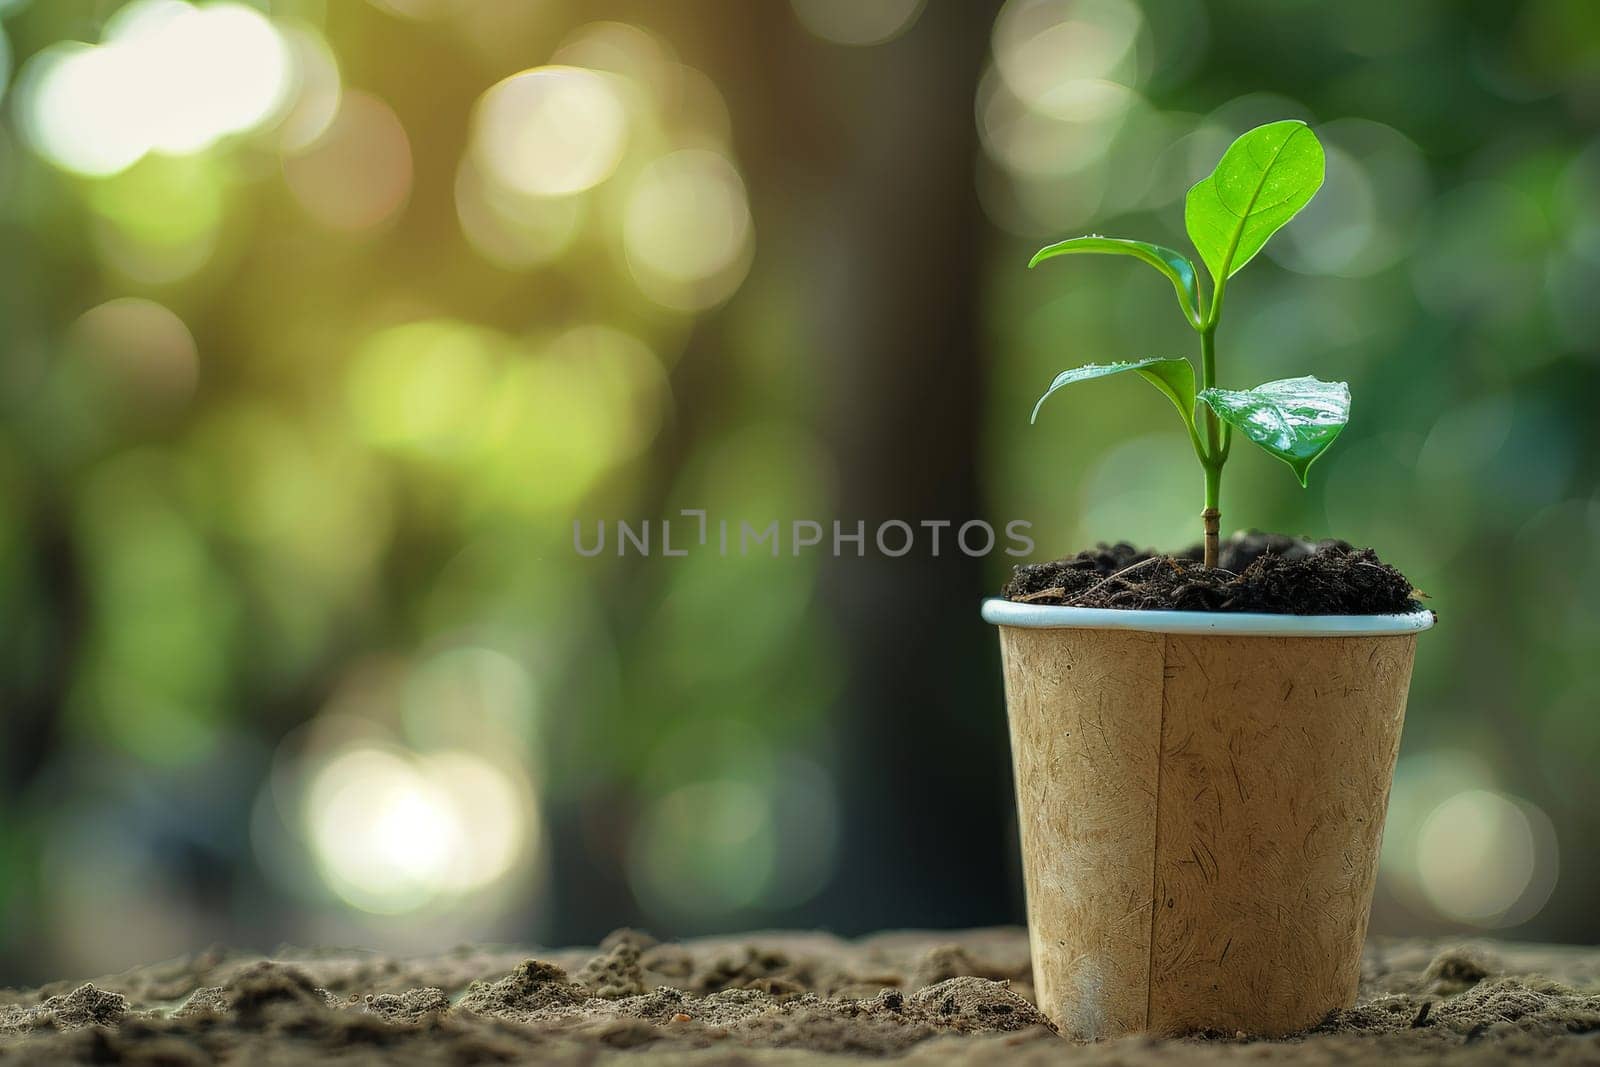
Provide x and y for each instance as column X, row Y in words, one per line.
column 1268, row 573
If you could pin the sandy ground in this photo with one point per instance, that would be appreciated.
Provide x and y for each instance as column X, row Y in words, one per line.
column 763, row 999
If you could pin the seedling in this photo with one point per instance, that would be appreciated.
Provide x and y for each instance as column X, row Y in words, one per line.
column 1262, row 181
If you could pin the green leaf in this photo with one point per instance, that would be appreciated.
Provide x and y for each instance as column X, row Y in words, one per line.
column 1175, row 265
column 1263, row 180
column 1295, row 419
column 1174, row 377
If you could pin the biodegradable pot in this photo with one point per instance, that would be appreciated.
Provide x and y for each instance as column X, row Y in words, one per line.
column 1201, row 799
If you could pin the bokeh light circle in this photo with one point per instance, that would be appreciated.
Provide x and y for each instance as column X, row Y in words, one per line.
column 1477, row 856
column 168, row 76
column 358, row 175
column 141, row 352
column 619, row 48
column 552, row 131
column 589, row 399
column 469, row 697
column 687, row 229
column 162, row 219
column 391, row 831
column 1364, row 217
column 317, row 89
column 510, row 230
column 857, row 22
column 69, row 109
column 1050, row 52
column 705, row 848
column 1032, row 144
column 423, row 386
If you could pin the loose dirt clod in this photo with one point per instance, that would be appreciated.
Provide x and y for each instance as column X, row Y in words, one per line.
column 1267, row 573
column 1456, row 970
column 615, row 973
column 534, row 986
column 970, row 1003
column 86, row 1005
column 411, row 1006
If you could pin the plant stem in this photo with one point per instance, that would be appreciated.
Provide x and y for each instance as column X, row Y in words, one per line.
column 1211, row 517
column 1216, row 452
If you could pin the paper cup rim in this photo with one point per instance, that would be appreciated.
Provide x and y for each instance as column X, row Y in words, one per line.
column 1002, row 612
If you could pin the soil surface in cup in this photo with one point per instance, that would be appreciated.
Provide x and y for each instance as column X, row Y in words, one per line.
column 1257, row 572
column 766, row 1000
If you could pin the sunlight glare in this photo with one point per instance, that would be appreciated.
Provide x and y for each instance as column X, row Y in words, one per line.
column 167, row 77
column 391, row 832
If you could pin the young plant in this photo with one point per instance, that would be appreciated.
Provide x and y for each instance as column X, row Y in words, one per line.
column 1262, row 181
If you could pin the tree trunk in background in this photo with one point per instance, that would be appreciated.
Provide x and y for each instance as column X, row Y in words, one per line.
column 890, row 255
column 859, row 164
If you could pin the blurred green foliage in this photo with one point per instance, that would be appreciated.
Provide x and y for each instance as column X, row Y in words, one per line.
column 293, row 640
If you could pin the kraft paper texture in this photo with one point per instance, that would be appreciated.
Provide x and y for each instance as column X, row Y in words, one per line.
column 1200, row 821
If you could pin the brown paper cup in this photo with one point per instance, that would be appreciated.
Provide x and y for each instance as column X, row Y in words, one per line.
column 1200, row 811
